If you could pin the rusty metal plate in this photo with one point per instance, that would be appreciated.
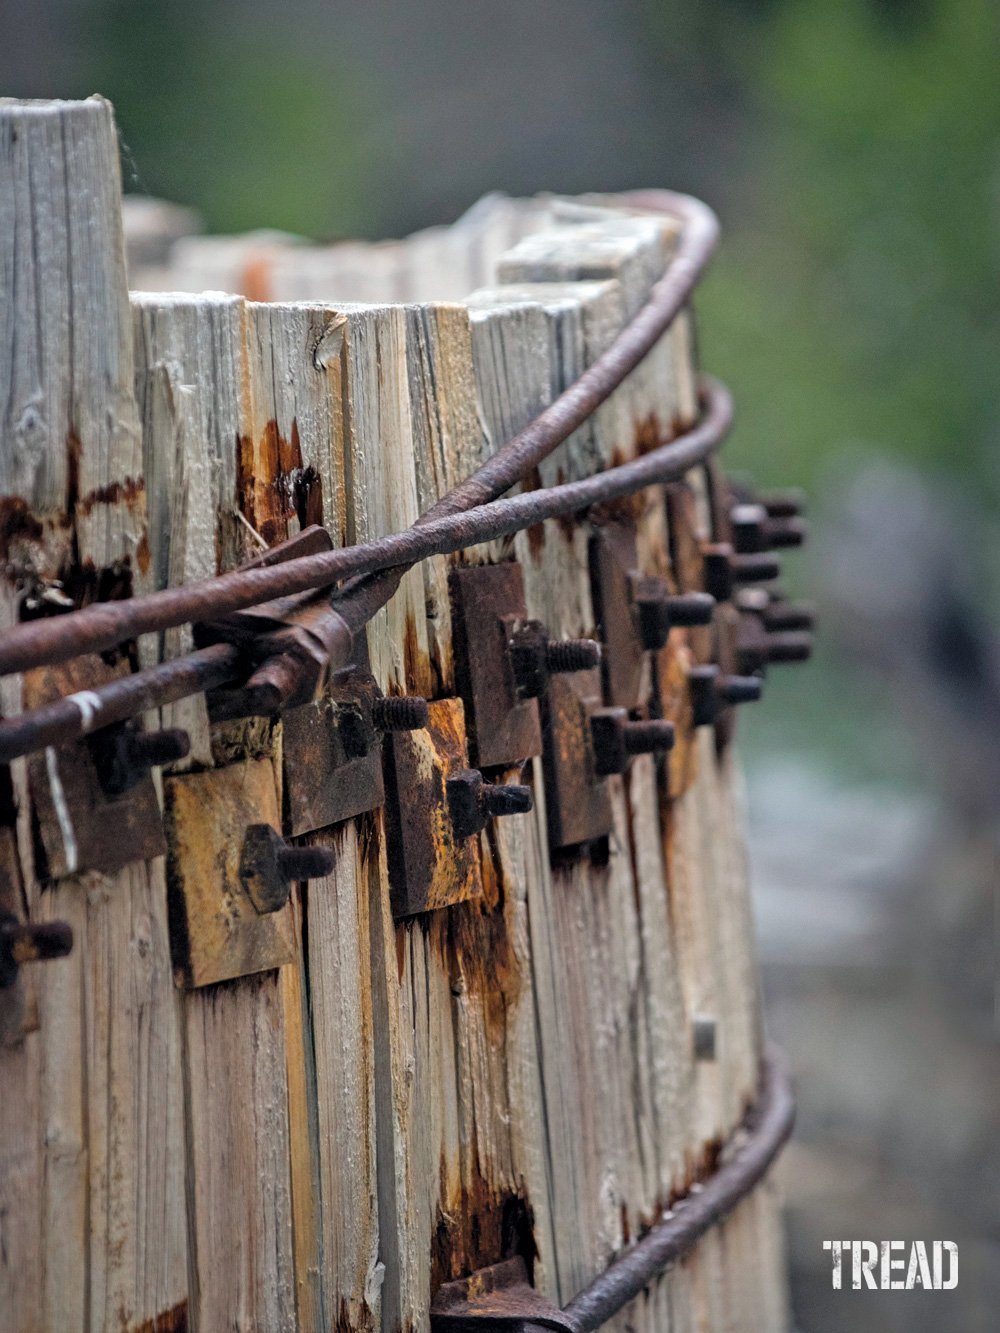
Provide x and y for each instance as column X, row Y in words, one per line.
column 487, row 604
column 576, row 798
column 326, row 779
column 613, row 570
column 81, row 826
column 216, row 933
column 496, row 1298
column 428, row 866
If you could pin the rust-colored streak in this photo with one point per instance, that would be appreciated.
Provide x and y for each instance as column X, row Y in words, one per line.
column 142, row 553
column 476, row 1226
column 273, row 486
column 116, row 492
column 174, row 1320
column 17, row 524
column 256, row 277
column 649, row 435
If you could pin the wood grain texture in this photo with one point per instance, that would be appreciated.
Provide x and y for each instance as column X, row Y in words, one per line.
column 193, row 377
column 109, row 1113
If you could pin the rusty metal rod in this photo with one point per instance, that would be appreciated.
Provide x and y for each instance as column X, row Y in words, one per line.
column 753, row 1148
column 107, row 624
column 65, row 720
column 76, row 715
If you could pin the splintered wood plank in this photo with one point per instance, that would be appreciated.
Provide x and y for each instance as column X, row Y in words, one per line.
column 499, row 1186
column 193, row 385
column 111, row 1244
column 295, row 466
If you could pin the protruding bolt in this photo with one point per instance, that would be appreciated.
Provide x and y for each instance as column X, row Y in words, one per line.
column 473, row 801
column 616, row 738
column 784, row 532
column 566, row 655
column 711, row 690
column 703, row 1035
column 124, row 756
column 753, row 568
column 511, row 798
column 739, row 689
column 297, row 863
column 30, row 942
column 789, row 646
column 269, row 865
column 534, row 656
column 402, row 712
column 788, row 616
column 659, row 611
column 784, row 504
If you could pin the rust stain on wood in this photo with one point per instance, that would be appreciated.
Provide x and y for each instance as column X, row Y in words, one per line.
column 129, row 492
column 273, row 486
column 478, row 1225
column 174, row 1320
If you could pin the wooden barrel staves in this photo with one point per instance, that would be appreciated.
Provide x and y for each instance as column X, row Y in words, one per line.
column 418, row 992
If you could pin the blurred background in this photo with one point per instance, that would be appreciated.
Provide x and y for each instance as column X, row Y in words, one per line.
column 852, row 150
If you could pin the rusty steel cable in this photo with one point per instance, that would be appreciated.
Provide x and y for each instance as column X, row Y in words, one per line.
column 753, row 1148
column 107, row 624
column 74, row 716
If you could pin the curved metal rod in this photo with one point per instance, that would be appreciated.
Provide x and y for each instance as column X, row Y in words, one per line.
column 753, row 1148
column 107, row 624
column 74, row 716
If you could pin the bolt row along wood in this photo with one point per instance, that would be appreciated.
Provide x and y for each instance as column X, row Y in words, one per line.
column 367, row 1107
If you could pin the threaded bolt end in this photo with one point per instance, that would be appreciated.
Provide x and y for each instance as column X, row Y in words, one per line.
column 151, row 749
column 789, row 646
column 688, row 609
column 405, row 712
column 739, row 689
column 785, row 532
column 506, row 799
column 572, row 655
column 36, row 941
column 651, row 737
column 296, row 863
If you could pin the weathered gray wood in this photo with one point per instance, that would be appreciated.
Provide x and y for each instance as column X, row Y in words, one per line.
column 193, row 376
column 111, row 1247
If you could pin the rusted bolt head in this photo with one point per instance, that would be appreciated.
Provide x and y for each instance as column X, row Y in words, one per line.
column 718, row 559
column 472, row 802
column 749, row 525
column 703, row 1034
column 405, row 712
column 616, row 739
column 30, row 942
column 269, row 865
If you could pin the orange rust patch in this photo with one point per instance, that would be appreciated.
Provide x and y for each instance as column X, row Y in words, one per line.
column 142, row 553
column 272, row 485
column 477, row 1226
column 648, row 434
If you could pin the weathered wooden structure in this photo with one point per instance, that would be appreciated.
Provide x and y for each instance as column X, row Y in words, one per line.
column 234, row 1106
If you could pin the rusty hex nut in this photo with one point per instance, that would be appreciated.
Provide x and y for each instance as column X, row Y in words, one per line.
column 472, row 802
column 30, row 942
column 616, row 739
column 269, row 865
